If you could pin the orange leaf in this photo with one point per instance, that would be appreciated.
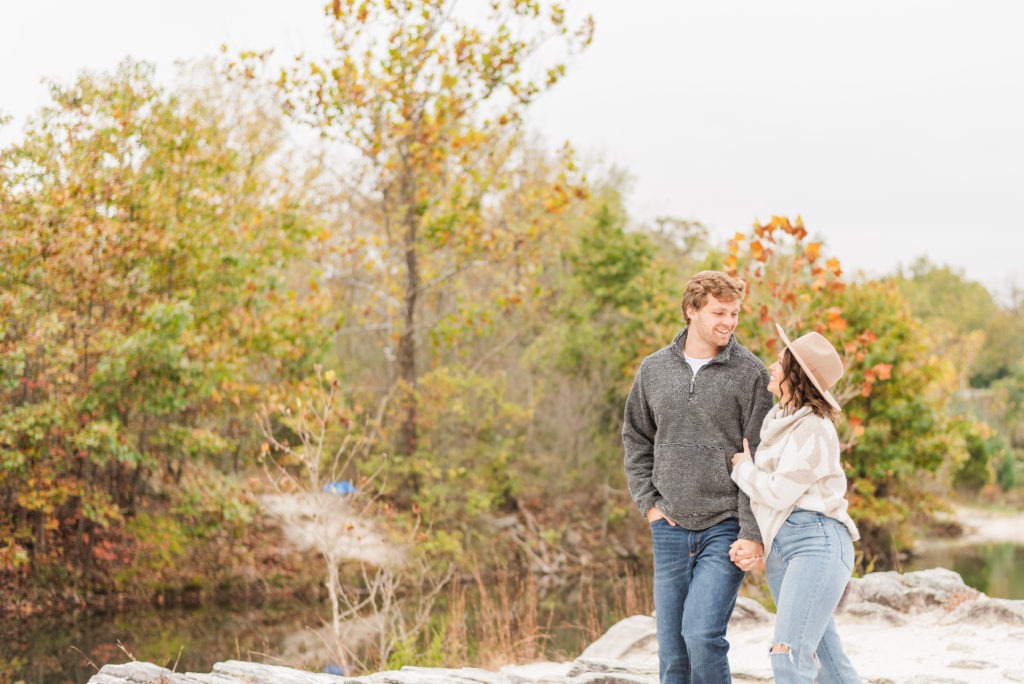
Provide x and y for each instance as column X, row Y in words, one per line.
column 757, row 251
column 836, row 322
column 812, row 250
column 883, row 370
column 857, row 424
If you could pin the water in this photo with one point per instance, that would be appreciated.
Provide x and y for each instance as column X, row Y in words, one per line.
column 995, row 569
column 71, row 648
column 60, row 650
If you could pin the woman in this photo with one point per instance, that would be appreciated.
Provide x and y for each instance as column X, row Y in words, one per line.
column 797, row 491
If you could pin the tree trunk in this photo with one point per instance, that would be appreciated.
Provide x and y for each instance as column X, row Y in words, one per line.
column 407, row 342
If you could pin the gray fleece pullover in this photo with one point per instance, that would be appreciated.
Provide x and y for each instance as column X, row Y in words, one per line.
column 680, row 432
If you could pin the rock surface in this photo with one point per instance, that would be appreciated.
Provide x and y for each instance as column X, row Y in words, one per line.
column 915, row 628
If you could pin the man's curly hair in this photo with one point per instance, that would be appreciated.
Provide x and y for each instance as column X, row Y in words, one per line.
column 719, row 285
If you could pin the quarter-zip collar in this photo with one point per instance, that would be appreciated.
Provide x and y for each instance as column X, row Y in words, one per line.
column 679, row 344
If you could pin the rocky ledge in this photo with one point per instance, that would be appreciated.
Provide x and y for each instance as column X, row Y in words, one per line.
column 923, row 627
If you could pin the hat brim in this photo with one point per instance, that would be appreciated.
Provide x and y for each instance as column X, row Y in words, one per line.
column 807, row 371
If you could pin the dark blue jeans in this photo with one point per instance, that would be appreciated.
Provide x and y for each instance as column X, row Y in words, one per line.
column 695, row 588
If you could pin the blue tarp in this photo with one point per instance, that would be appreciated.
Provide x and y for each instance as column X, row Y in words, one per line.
column 341, row 487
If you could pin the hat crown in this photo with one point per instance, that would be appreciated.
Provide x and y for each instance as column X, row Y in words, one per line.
column 819, row 358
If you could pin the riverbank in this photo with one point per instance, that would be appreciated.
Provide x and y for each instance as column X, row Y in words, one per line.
column 911, row 628
column 985, row 526
column 977, row 526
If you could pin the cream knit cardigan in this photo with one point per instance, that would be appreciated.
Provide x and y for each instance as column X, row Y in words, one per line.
column 796, row 466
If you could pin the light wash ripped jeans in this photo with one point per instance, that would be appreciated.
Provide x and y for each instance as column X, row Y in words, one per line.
column 808, row 568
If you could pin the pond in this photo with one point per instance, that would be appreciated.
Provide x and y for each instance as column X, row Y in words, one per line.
column 566, row 617
column 996, row 569
column 70, row 648
column 570, row 616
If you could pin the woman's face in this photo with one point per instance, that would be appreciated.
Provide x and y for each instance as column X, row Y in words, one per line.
column 775, row 382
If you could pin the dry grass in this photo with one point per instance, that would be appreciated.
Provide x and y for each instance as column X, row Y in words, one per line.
column 506, row 618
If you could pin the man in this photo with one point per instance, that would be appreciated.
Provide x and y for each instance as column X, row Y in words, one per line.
column 690, row 407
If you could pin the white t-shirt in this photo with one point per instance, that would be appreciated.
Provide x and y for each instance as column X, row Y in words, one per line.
column 696, row 364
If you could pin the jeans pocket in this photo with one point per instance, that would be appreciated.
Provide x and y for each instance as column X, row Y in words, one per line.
column 845, row 548
column 800, row 518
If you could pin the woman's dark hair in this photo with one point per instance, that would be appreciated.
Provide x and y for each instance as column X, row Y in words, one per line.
column 802, row 391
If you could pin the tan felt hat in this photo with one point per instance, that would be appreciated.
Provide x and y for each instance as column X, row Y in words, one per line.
column 818, row 358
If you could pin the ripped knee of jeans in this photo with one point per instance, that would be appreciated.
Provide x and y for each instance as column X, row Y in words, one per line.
column 781, row 650
column 784, row 649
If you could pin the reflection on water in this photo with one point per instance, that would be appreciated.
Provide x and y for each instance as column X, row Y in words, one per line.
column 60, row 650
column 70, row 648
column 995, row 569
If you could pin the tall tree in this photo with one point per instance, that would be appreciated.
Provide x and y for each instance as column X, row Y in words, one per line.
column 429, row 106
column 960, row 315
column 144, row 304
column 895, row 429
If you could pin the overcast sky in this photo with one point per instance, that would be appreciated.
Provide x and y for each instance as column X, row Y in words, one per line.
column 895, row 128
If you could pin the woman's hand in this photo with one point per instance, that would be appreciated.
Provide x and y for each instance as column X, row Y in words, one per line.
column 743, row 454
column 747, row 555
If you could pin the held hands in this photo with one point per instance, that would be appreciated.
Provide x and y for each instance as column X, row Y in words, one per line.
column 736, row 459
column 747, row 555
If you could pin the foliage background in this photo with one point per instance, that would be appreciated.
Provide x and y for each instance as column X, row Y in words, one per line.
column 174, row 265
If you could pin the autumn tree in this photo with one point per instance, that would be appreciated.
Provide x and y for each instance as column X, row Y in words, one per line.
column 896, row 430
column 616, row 302
column 963, row 319
column 427, row 104
column 145, row 302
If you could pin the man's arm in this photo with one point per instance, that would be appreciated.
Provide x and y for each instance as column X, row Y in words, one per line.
column 638, row 431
